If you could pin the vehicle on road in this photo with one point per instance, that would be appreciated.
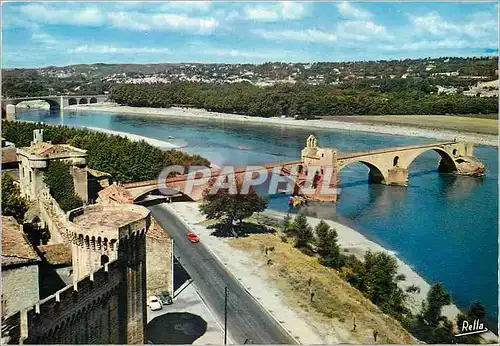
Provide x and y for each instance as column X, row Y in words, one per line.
column 154, row 304
column 165, row 298
column 193, row 237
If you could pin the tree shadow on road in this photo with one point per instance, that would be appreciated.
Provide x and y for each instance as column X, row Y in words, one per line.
column 175, row 328
column 244, row 229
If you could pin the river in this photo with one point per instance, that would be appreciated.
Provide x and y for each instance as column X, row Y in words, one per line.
column 444, row 226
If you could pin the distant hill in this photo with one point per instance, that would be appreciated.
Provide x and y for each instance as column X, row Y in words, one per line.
column 100, row 77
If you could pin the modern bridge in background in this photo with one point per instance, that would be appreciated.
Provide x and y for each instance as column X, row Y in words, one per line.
column 55, row 102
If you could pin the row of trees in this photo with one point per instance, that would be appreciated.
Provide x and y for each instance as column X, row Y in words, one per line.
column 124, row 159
column 302, row 100
column 376, row 277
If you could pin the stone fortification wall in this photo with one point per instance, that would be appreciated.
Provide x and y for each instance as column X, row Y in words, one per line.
column 85, row 313
column 159, row 271
column 52, row 216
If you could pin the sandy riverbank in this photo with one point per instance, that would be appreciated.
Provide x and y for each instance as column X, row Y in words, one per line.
column 152, row 141
column 201, row 114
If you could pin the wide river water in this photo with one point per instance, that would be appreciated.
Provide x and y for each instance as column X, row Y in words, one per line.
column 444, row 226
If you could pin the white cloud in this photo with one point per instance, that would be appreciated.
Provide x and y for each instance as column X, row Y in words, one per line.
column 434, row 24
column 284, row 10
column 43, row 38
column 124, row 20
column 162, row 21
column 349, row 11
column 117, row 50
column 89, row 16
column 309, row 35
column 139, row 21
column 362, row 31
column 479, row 25
column 235, row 53
column 187, row 6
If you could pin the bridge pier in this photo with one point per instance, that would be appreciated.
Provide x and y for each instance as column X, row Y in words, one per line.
column 397, row 176
column 10, row 112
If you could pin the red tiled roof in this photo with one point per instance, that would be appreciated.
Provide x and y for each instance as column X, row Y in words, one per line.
column 116, row 194
column 15, row 246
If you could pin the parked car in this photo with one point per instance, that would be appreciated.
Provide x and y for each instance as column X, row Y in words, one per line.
column 193, row 237
column 165, row 298
column 154, row 304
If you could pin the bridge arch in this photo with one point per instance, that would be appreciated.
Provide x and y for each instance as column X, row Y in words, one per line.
column 375, row 175
column 447, row 164
column 93, row 100
column 72, row 101
column 176, row 194
column 83, row 101
column 53, row 104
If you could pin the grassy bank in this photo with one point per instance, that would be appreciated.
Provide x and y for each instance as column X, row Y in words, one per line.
column 336, row 304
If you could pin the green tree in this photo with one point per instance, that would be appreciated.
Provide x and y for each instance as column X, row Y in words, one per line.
column 302, row 230
column 377, row 281
column 12, row 202
column 287, row 222
column 476, row 311
column 228, row 207
column 437, row 297
column 328, row 247
column 60, row 182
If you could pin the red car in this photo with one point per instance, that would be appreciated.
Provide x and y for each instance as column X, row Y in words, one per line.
column 193, row 238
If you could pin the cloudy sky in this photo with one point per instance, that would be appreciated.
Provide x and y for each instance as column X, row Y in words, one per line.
column 46, row 33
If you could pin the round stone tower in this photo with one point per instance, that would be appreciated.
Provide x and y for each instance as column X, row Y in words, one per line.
column 114, row 234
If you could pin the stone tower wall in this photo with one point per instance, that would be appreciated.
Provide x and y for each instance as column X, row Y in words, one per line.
column 84, row 313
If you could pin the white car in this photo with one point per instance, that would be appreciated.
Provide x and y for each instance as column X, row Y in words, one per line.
column 154, row 304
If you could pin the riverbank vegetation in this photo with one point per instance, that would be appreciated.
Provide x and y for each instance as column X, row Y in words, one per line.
column 124, row 159
column 340, row 313
column 303, row 100
column 376, row 277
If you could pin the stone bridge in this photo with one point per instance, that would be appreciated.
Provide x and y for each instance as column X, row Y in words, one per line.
column 316, row 175
column 178, row 183
column 55, row 102
column 390, row 166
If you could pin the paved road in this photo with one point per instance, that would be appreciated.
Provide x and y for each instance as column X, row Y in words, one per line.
column 246, row 318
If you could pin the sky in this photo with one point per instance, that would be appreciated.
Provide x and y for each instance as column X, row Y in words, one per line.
column 37, row 34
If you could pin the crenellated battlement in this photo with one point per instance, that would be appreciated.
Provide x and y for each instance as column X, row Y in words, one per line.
column 49, row 317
